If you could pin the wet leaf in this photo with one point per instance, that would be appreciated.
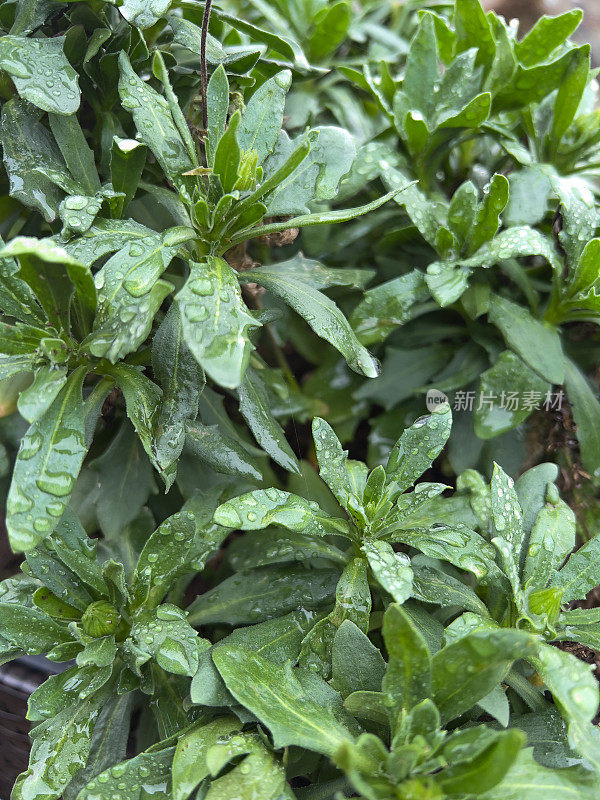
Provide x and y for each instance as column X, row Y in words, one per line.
column 251, row 596
column 181, row 379
column 256, row 410
column 321, row 313
column 41, row 72
column 392, row 570
column 279, row 699
column 489, row 654
column 418, row 447
column 147, row 773
column 154, row 121
column 49, row 459
column 215, row 322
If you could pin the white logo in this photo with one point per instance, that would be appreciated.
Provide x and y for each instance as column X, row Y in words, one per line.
column 434, row 399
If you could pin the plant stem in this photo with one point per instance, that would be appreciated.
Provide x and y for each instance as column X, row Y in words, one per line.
column 203, row 73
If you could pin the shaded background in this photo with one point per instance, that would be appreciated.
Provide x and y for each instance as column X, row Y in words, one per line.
column 528, row 11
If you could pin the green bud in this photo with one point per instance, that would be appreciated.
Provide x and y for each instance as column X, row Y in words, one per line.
column 100, row 619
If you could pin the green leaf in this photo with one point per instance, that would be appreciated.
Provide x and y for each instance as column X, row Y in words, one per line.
column 109, row 742
column 418, row 447
column 31, row 14
column 217, row 95
column 142, row 398
column 259, row 771
column 530, row 190
column 36, row 399
column 60, row 747
column 181, row 379
column 228, row 154
column 277, row 639
column 170, row 550
column 216, row 322
column 77, row 552
column 28, row 145
column 259, row 509
column 222, row 452
column 54, row 276
column 321, row 313
column 124, row 479
column 421, row 73
column 531, row 84
column 580, row 218
column 463, row 210
column 30, row 629
column 49, row 459
column 473, row 29
column 255, row 407
column 506, row 511
column 356, row 664
column 149, row 773
column 546, row 36
column 392, row 570
column 486, row 769
column 551, row 540
column 330, row 28
column 333, row 463
column 287, row 47
column 165, row 634
column 263, row 116
column 527, row 779
column 352, row 602
column 154, row 122
column 510, row 373
column 16, row 298
column 447, row 282
column 106, row 236
column 330, row 158
column 138, row 13
column 575, row 691
column 581, row 572
column 130, row 293
column 189, row 35
column 538, row 345
column 309, row 220
column 408, row 676
column 41, row 72
column 276, row 695
column 570, row 92
column 78, row 155
column 55, row 608
column 127, row 161
column 189, row 763
column 65, row 689
column 488, row 218
column 20, row 339
column 277, row 547
column 467, row 670
column 387, row 306
column 586, row 411
column 251, row 596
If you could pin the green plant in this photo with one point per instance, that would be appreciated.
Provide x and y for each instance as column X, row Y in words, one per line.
column 501, row 134
column 242, row 612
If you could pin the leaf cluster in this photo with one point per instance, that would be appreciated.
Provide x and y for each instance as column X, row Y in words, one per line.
column 218, row 229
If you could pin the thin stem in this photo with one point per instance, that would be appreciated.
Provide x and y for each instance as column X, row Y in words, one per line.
column 203, row 73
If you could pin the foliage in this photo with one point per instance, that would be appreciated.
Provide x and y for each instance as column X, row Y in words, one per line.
column 215, row 226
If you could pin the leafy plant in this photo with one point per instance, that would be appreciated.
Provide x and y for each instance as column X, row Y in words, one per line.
column 498, row 152
column 215, row 221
